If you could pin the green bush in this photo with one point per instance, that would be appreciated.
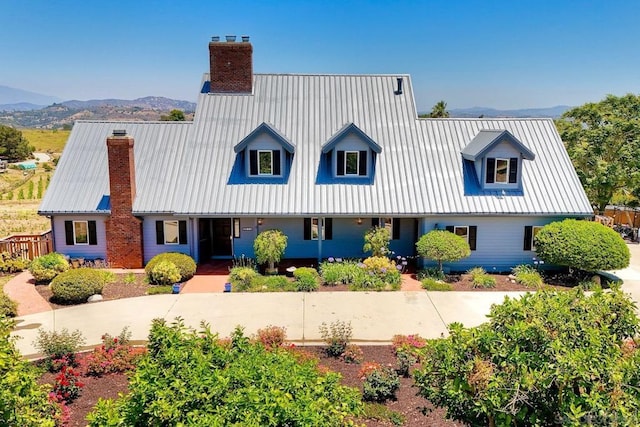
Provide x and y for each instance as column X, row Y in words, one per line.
column 185, row 264
column 380, row 385
column 164, row 273
column 241, row 277
column 337, row 336
column 8, row 307
column 74, row 286
column 45, row 268
column 339, row 273
column 584, row 245
column 442, row 246
column 59, row 346
column 23, row 402
column 376, row 241
column 431, row 272
column 527, row 276
column 481, row 279
column 269, row 247
column 271, row 284
column 306, row 279
column 431, row 284
column 547, row 358
column 219, row 384
column 11, row 264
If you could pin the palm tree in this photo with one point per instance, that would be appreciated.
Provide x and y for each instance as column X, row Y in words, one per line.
column 439, row 110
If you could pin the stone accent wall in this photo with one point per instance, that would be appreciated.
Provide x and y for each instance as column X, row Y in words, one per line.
column 231, row 67
column 123, row 230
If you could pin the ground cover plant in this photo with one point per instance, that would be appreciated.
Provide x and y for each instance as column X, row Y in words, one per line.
column 229, row 382
column 545, row 359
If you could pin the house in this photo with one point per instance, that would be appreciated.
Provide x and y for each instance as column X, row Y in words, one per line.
column 322, row 158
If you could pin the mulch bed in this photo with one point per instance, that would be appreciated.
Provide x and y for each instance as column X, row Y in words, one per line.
column 408, row 403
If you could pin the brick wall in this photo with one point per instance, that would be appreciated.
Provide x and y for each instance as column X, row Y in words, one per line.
column 123, row 230
column 231, row 67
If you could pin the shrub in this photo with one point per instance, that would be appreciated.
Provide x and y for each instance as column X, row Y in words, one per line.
column 584, row 245
column 22, row 401
column 539, row 359
column 59, row 347
column 431, row 272
column 380, row 385
column 271, row 284
column 376, row 241
column 8, row 307
column 185, row 264
column 337, row 336
column 272, row 336
column 306, row 279
column 164, row 273
column 481, row 279
column 12, row 263
column 74, row 286
column 352, row 354
column 45, row 268
column 442, row 246
column 339, row 273
column 114, row 355
column 527, row 276
column 217, row 384
column 435, row 285
column 269, row 246
column 241, row 277
column 385, row 269
column 405, row 360
column 66, row 385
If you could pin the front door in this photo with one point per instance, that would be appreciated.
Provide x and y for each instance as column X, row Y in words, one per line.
column 221, row 237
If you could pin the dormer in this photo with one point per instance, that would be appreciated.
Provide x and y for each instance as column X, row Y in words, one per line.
column 263, row 156
column 497, row 158
column 350, row 155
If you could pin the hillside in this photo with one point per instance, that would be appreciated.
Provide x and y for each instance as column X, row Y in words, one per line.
column 58, row 115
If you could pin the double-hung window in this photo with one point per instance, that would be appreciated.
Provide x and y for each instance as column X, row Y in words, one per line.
column 80, row 233
column 502, row 170
column 171, row 232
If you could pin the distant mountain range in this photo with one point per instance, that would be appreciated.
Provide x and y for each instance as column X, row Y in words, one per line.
column 553, row 112
column 17, row 99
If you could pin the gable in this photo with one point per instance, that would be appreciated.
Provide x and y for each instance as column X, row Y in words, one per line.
column 486, row 141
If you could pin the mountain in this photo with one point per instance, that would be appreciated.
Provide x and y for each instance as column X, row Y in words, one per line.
column 10, row 95
column 148, row 103
column 20, row 106
column 553, row 112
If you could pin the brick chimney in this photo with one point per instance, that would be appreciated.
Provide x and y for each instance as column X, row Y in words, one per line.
column 231, row 65
column 124, row 231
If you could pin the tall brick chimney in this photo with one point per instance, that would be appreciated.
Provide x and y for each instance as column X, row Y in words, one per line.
column 231, row 65
column 124, row 231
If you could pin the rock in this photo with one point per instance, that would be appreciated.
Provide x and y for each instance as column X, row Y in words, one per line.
column 95, row 298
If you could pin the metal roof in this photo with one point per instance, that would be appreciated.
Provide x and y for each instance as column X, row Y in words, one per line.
column 80, row 183
column 485, row 139
column 186, row 169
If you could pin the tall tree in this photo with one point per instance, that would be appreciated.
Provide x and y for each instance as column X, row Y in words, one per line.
column 13, row 145
column 603, row 141
column 174, row 116
column 439, row 110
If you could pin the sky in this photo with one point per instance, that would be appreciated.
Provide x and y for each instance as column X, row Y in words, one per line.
column 491, row 53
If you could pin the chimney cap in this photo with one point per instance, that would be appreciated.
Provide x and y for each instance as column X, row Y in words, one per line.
column 215, row 38
column 245, row 39
column 119, row 132
column 231, row 38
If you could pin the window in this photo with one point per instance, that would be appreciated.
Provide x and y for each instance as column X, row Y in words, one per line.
column 311, row 228
column 264, row 163
column 502, row 171
column 172, row 232
column 467, row 232
column 236, row 228
column 529, row 237
column 391, row 224
column 351, row 163
column 80, row 233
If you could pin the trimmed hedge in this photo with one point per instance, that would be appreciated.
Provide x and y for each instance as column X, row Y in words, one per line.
column 186, row 265
column 45, row 268
column 164, row 273
column 75, row 286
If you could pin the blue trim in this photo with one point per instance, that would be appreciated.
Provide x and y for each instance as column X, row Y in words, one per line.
column 286, row 144
column 239, row 175
column 472, row 186
column 344, row 131
column 325, row 172
column 105, row 204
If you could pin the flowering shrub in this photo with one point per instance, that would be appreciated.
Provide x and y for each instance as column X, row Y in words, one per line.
column 405, row 347
column 67, row 386
column 337, row 336
column 114, row 355
column 367, row 368
column 336, row 272
column 411, row 341
column 352, row 354
column 62, row 415
column 272, row 336
column 380, row 384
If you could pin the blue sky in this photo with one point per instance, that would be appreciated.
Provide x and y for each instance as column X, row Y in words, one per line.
column 501, row 54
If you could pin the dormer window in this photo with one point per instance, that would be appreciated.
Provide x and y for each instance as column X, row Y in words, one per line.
column 351, row 163
column 502, row 171
column 263, row 156
column 264, row 162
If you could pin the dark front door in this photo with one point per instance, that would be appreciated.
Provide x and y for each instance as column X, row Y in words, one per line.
column 221, row 237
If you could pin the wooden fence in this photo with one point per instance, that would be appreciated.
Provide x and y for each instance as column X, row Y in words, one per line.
column 623, row 215
column 27, row 246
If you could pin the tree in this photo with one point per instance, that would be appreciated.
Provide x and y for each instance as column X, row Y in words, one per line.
column 442, row 246
column 603, row 142
column 585, row 245
column 174, row 116
column 13, row 145
column 547, row 358
column 376, row 241
column 439, row 110
column 269, row 247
